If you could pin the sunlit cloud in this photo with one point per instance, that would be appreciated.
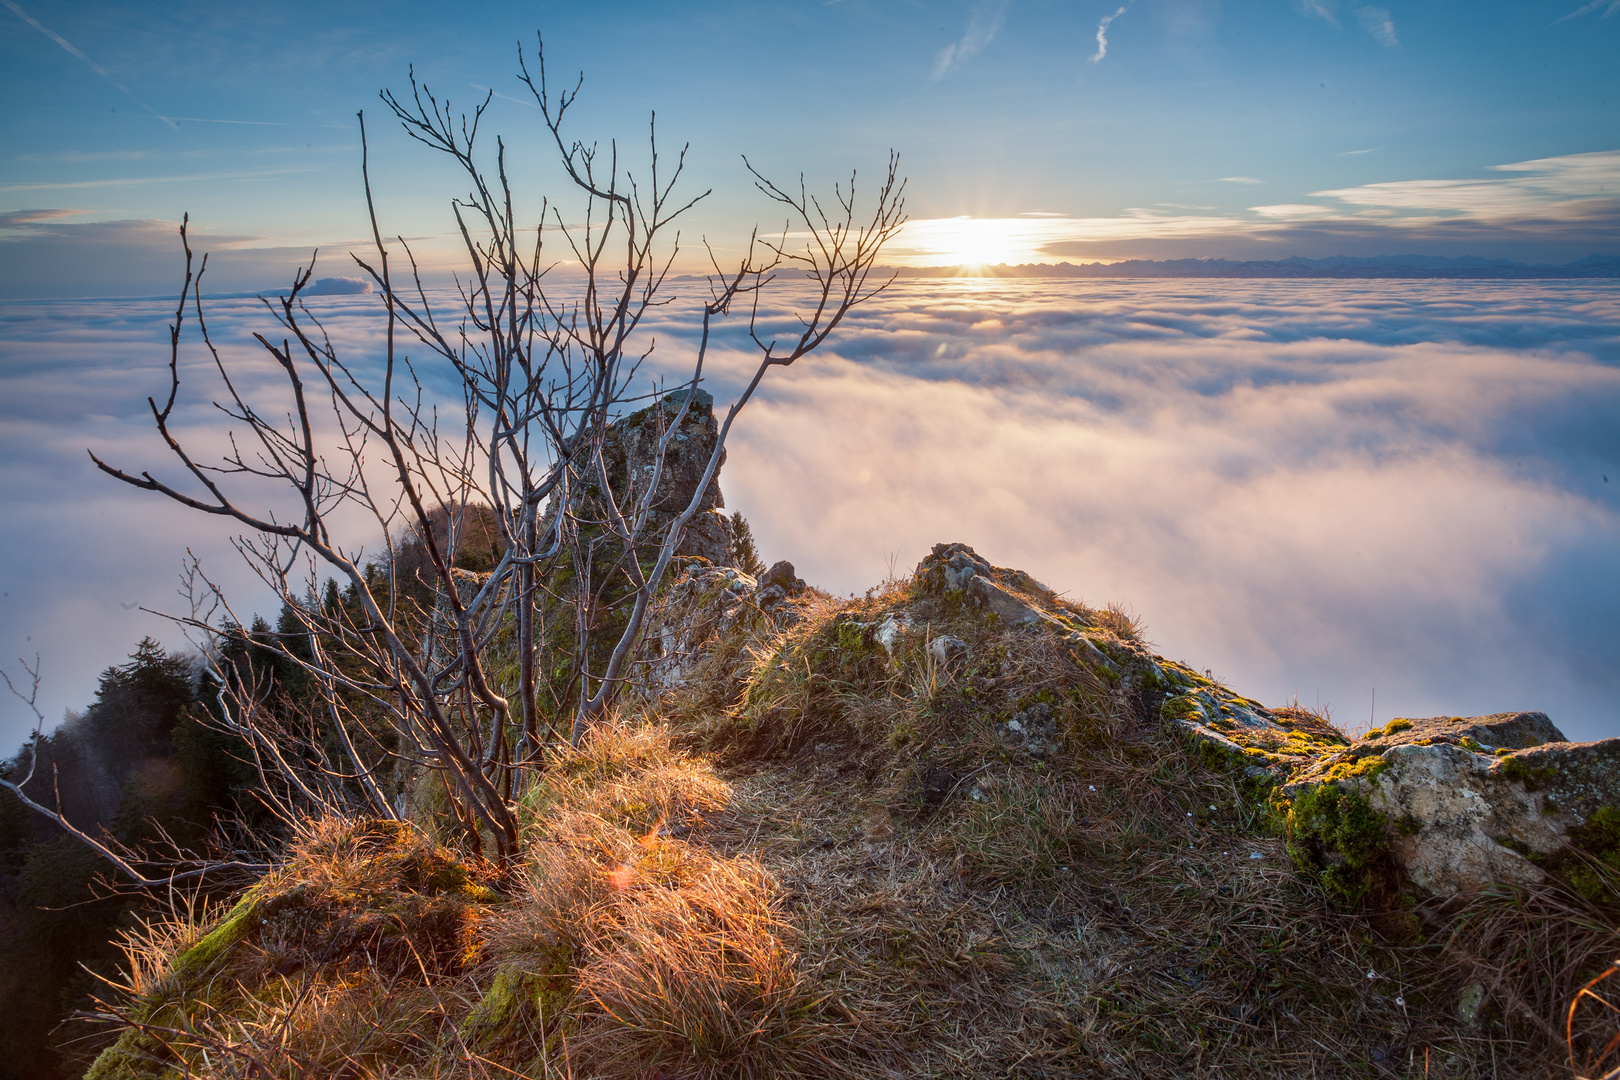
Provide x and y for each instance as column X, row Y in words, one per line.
column 984, row 23
column 1297, row 212
column 1563, row 197
column 1315, row 490
column 965, row 241
column 1566, row 186
column 1312, row 487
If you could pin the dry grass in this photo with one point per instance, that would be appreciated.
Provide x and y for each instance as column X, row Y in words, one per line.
column 857, row 867
column 971, row 909
column 653, row 953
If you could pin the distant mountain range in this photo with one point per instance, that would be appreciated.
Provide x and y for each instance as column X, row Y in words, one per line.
column 1339, row 266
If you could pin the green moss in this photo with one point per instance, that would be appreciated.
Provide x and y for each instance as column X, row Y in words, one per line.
column 1397, row 724
column 1366, row 766
column 1185, row 707
column 1600, row 838
column 1335, row 834
column 133, row 1057
column 1375, row 733
column 238, row 924
column 517, row 1020
column 1531, row 776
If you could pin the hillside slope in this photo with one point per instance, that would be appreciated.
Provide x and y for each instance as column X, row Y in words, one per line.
column 958, row 827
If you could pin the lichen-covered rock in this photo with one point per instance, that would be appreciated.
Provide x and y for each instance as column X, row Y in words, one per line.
column 1012, row 596
column 701, row 606
column 1032, row 730
column 947, row 649
column 1452, row 804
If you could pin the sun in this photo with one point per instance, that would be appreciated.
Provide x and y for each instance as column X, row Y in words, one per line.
column 971, row 243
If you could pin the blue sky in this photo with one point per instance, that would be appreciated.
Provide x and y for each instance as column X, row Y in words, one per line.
column 1322, row 489
column 1355, row 128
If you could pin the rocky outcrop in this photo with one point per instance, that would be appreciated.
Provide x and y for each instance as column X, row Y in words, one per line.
column 1436, row 807
column 704, row 605
column 631, row 451
column 1451, row 804
column 781, row 582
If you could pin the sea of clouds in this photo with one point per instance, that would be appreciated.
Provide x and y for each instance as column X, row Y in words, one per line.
column 1315, row 489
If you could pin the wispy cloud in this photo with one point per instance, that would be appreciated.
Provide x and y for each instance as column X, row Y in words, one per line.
column 1571, row 186
column 984, row 23
column 17, row 218
column 1102, row 32
column 1609, row 6
column 1238, row 180
column 529, row 104
column 1356, row 153
column 1555, row 205
column 134, row 181
column 73, row 50
column 1321, row 9
column 1377, row 22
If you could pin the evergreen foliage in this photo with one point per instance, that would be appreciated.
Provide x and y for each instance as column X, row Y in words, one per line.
column 742, row 542
column 140, row 763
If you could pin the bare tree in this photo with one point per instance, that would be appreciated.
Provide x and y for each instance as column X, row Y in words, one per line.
column 462, row 677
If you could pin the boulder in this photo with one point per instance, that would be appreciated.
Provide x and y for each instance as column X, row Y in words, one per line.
column 779, row 583
column 1452, row 805
column 1012, row 596
column 700, row 607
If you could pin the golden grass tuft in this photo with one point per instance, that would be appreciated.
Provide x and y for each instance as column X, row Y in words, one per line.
column 696, row 981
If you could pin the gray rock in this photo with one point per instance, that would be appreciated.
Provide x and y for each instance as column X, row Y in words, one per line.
column 946, row 649
column 949, row 568
column 697, row 610
column 1515, row 730
column 631, row 449
column 1464, row 803
column 782, row 575
column 1032, row 730
column 891, row 632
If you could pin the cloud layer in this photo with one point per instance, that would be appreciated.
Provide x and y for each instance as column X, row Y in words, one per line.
column 1312, row 488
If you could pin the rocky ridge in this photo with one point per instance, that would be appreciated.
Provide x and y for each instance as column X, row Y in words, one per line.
column 1434, row 807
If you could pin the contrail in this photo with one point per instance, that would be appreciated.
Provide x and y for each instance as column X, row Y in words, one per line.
column 1102, row 31
column 73, row 50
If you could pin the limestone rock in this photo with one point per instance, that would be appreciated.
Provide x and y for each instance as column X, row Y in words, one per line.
column 1010, row 595
column 779, row 583
column 631, row 452
column 947, row 649
column 442, row 644
column 891, row 632
column 700, row 607
column 1457, row 803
